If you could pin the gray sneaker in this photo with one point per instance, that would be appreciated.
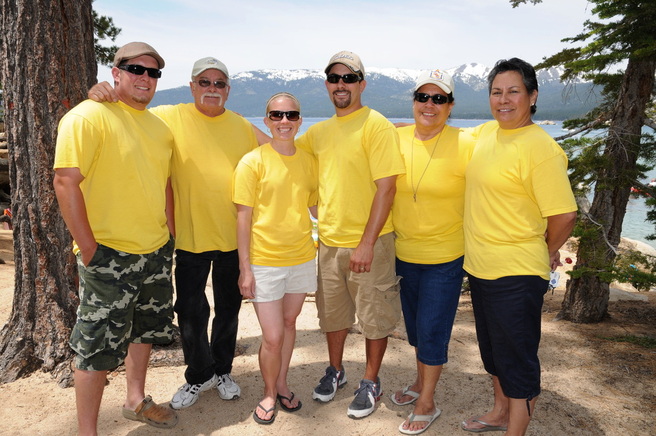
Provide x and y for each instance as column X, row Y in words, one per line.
column 228, row 387
column 188, row 394
column 329, row 384
column 365, row 399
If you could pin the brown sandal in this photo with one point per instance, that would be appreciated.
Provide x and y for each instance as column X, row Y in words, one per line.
column 152, row 414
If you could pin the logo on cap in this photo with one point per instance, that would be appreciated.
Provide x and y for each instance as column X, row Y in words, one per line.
column 437, row 75
column 344, row 56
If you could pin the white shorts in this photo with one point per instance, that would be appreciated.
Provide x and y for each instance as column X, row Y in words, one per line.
column 273, row 282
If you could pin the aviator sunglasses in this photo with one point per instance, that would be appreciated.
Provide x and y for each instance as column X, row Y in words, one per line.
column 437, row 98
column 204, row 83
column 346, row 78
column 138, row 70
column 277, row 115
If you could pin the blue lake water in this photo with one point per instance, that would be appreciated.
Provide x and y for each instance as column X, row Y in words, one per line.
column 634, row 227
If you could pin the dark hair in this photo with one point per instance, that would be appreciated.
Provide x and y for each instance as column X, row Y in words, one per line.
column 525, row 69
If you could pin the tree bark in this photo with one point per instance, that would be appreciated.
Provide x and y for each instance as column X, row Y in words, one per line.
column 48, row 63
column 586, row 297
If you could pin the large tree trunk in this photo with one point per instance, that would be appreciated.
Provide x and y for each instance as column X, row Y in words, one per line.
column 586, row 298
column 48, row 63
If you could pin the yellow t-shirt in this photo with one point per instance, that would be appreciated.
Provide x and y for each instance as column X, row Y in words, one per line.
column 353, row 151
column 280, row 189
column 515, row 180
column 429, row 229
column 124, row 155
column 206, row 152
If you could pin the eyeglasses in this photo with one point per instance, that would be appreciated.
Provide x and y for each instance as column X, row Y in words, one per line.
column 204, row 83
column 138, row 70
column 437, row 98
column 346, row 78
column 291, row 115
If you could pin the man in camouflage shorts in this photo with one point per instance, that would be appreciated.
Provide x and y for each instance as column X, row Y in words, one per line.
column 122, row 284
column 112, row 181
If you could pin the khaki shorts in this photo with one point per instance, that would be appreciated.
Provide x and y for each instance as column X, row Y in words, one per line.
column 373, row 296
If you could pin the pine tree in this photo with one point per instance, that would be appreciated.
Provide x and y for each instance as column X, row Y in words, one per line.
column 622, row 40
column 47, row 65
column 104, row 28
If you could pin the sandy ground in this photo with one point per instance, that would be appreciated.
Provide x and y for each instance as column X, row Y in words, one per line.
column 591, row 385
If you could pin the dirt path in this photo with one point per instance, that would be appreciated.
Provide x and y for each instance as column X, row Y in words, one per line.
column 591, row 385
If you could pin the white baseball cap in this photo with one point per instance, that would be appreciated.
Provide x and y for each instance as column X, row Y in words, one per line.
column 209, row 63
column 436, row 77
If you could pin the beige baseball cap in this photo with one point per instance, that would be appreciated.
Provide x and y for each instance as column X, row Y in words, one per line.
column 348, row 58
column 209, row 63
column 436, row 77
column 133, row 50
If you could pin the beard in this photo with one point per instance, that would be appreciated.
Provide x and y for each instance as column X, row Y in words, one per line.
column 343, row 103
column 141, row 99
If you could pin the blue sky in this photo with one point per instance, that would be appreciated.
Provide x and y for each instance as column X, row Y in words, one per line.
column 287, row 34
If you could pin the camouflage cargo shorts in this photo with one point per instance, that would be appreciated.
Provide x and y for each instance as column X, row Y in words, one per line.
column 124, row 298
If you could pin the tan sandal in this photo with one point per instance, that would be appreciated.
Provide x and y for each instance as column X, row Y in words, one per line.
column 406, row 392
column 152, row 414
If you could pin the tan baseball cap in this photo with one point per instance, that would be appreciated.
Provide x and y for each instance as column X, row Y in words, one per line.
column 209, row 63
column 133, row 50
column 348, row 58
column 436, row 77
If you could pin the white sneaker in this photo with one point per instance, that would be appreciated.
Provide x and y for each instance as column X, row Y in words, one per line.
column 187, row 395
column 228, row 387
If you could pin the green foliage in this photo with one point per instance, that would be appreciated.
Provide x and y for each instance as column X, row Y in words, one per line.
column 104, row 28
column 636, row 268
column 629, row 266
column 642, row 341
column 584, row 157
column 628, row 31
column 624, row 31
column 516, row 3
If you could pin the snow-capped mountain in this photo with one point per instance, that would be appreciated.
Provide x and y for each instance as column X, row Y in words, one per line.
column 389, row 90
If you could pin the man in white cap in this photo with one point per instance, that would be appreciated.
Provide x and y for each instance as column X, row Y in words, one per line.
column 359, row 160
column 209, row 142
column 111, row 157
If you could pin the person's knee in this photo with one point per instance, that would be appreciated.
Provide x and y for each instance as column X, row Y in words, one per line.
column 272, row 342
column 290, row 322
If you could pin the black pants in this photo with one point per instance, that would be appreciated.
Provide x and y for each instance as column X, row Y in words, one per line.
column 203, row 357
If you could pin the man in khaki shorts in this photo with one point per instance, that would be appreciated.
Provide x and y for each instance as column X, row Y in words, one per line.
column 359, row 159
column 112, row 158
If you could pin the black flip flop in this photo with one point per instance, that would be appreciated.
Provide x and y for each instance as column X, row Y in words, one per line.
column 264, row 421
column 289, row 400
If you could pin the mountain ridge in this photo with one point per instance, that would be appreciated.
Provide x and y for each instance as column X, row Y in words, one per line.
column 389, row 91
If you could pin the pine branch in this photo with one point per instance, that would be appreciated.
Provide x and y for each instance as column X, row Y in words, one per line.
column 590, row 126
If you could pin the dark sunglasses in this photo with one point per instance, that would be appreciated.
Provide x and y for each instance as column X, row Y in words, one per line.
column 138, row 70
column 346, row 78
column 204, row 83
column 291, row 115
column 437, row 98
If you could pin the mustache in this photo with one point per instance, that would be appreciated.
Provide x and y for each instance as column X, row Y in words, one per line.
column 211, row 95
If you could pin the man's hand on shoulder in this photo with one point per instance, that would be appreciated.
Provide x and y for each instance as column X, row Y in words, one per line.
column 102, row 92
